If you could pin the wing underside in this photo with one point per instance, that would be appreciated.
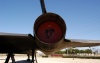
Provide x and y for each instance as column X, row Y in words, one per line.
column 80, row 43
column 67, row 43
column 16, row 43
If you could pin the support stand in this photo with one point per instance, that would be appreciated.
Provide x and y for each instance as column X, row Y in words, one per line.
column 8, row 58
column 33, row 56
column 33, row 52
column 28, row 57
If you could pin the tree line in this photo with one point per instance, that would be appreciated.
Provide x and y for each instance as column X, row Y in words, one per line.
column 73, row 51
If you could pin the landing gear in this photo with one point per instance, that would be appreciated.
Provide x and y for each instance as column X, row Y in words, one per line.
column 33, row 53
column 33, row 57
column 28, row 58
column 8, row 57
column 11, row 55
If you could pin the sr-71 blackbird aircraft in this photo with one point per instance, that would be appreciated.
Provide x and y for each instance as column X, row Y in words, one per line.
column 49, row 37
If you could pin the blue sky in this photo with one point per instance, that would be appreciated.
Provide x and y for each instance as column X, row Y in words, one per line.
column 82, row 17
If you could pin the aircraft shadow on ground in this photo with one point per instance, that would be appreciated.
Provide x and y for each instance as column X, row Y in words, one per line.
column 2, row 59
column 23, row 61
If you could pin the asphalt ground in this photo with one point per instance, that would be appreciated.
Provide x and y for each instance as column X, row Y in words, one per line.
column 22, row 59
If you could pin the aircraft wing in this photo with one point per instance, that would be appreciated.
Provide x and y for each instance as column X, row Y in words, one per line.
column 75, row 43
column 79, row 43
column 16, row 43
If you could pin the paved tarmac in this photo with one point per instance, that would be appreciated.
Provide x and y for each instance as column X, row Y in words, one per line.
column 22, row 59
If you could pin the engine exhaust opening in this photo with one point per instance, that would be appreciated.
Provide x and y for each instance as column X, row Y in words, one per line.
column 49, row 28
